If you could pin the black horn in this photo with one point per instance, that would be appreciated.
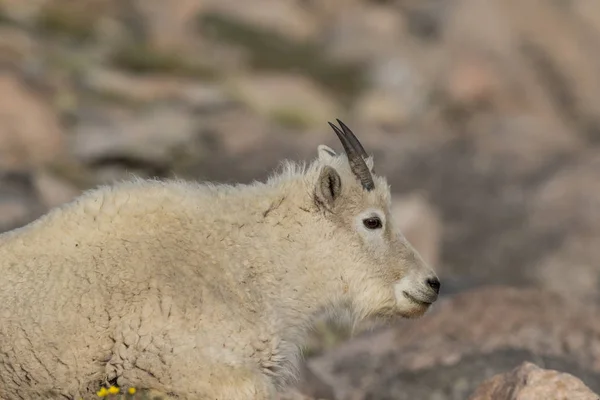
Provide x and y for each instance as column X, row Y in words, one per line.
column 354, row 141
column 356, row 154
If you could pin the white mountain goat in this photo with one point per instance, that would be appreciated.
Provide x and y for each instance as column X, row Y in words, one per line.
column 201, row 291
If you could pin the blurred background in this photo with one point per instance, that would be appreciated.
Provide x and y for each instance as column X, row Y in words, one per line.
column 484, row 115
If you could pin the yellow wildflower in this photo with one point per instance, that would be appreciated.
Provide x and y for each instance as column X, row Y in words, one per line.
column 113, row 390
column 102, row 392
column 131, row 390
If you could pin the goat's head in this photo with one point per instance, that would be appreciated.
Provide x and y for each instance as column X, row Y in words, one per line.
column 385, row 275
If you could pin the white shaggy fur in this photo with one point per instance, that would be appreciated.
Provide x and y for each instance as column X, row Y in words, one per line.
column 203, row 291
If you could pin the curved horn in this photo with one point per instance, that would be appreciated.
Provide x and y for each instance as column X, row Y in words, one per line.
column 355, row 155
column 355, row 142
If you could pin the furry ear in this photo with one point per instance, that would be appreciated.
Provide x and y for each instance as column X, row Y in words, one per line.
column 329, row 185
column 326, row 153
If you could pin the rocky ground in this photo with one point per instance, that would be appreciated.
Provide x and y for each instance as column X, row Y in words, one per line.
column 485, row 116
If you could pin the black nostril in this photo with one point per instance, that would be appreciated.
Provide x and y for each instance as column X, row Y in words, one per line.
column 435, row 284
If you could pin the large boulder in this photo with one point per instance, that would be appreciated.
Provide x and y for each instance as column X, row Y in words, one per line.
column 31, row 135
column 464, row 340
column 530, row 382
column 568, row 205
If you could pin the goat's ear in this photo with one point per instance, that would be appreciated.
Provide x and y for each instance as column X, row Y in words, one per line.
column 326, row 153
column 329, row 185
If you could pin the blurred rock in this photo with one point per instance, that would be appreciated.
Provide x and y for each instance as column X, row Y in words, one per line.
column 75, row 21
column 21, row 11
column 530, row 382
column 472, row 82
column 481, row 183
column 569, row 204
column 362, row 31
column 309, row 387
column 546, row 75
column 293, row 395
column 286, row 17
column 462, row 341
column 16, row 46
column 167, row 25
column 421, row 225
column 288, row 99
column 153, row 138
column 13, row 213
column 399, row 89
column 52, row 190
column 30, row 133
column 400, row 70
column 19, row 204
column 382, row 107
column 522, row 147
column 127, row 87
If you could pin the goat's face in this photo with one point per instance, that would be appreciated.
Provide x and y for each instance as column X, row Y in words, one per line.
column 384, row 274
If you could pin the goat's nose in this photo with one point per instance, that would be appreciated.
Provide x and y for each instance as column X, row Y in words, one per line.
column 434, row 283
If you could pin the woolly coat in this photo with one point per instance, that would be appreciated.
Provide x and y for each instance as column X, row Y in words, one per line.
column 182, row 287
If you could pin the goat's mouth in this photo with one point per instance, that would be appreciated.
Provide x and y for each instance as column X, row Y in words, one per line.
column 415, row 300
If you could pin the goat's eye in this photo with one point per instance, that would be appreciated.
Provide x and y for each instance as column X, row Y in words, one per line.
column 372, row 223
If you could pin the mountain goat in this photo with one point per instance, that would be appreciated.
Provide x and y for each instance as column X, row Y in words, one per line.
column 202, row 291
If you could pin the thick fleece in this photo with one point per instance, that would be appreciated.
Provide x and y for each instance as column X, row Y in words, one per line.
column 203, row 291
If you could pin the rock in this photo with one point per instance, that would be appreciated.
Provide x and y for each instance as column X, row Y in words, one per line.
column 202, row 97
column 287, row 18
column 568, row 73
column 21, row 11
column 14, row 214
column 524, row 147
column 383, row 107
column 167, row 26
column 463, row 340
column 309, row 387
column 421, row 225
column 293, row 395
column 530, row 382
column 19, row 204
column 288, row 99
column 543, row 75
column 166, row 140
column 568, row 204
column 52, row 190
column 399, row 89
column 481, row 183
column 153, row 138
column 77, row 21
column 30, row 132
column 16, row 46
column 472, row 82
column 362, row 31
column 400, row 71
